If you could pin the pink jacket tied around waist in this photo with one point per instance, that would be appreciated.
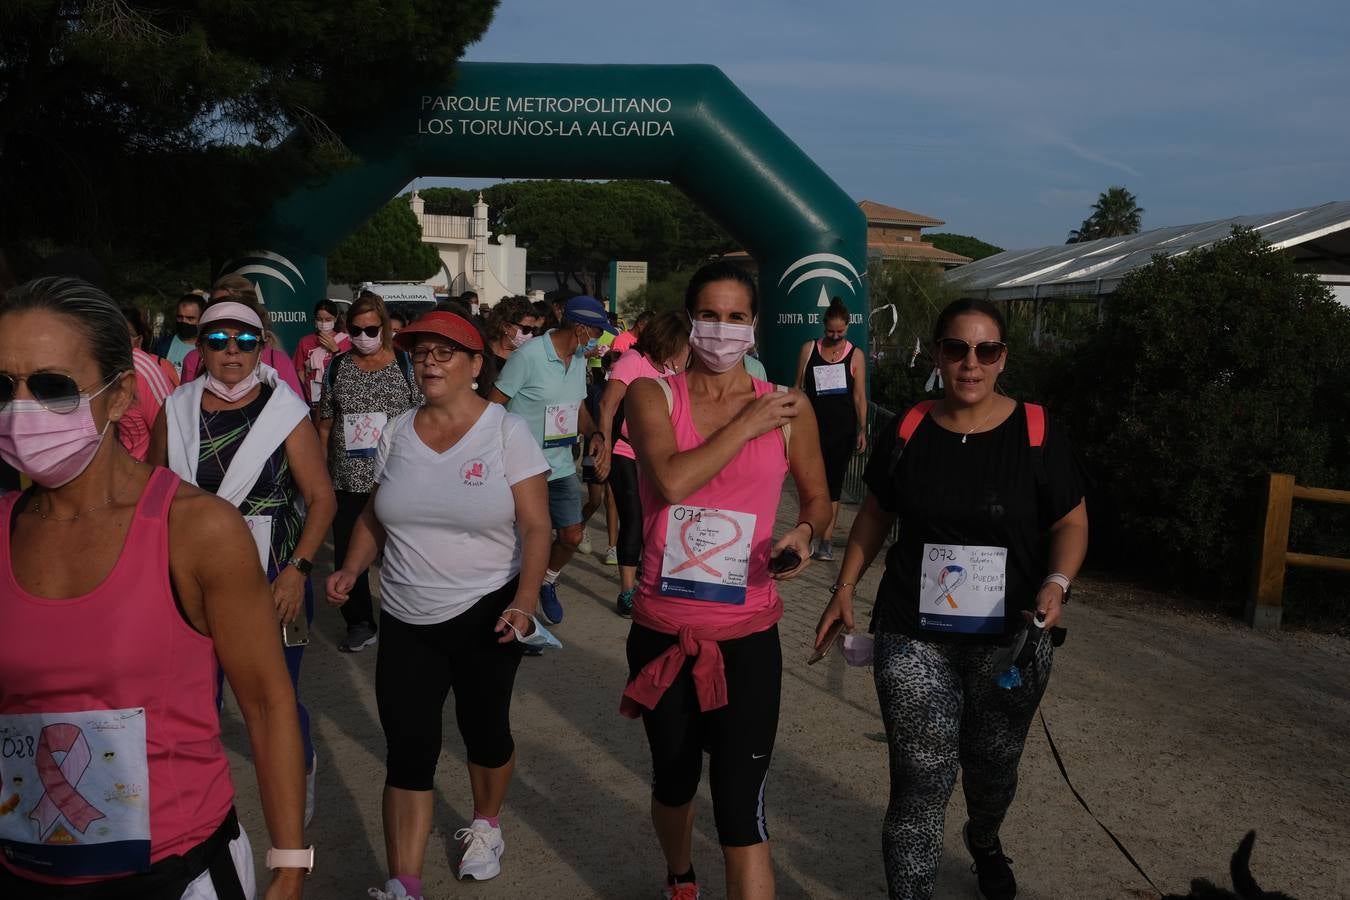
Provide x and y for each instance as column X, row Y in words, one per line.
column 710, row 677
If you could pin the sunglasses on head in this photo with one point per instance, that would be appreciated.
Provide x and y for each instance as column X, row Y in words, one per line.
column 368, row 331
column 954, row 350
column 245, row 342
column 56, row 392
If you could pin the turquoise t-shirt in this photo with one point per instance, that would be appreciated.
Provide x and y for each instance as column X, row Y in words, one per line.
column 178, row 350
column 755, row 368
column 548, row 395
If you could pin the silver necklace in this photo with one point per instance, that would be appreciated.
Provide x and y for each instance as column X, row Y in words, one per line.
column 977, row 427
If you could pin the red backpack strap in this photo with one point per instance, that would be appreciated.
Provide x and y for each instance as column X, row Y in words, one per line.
column 1035, row 424
column 911, row 419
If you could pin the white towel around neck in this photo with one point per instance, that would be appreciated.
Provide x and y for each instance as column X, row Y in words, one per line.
column 279, row 417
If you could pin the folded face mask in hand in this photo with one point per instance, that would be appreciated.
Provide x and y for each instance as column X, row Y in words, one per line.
column 539, row 636
column 857, row 649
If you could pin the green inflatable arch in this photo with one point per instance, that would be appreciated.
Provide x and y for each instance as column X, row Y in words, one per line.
column 688, row 125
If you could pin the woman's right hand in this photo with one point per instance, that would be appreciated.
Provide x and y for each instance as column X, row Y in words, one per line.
column 769, row 411
column 339, row 586
column 839, row 608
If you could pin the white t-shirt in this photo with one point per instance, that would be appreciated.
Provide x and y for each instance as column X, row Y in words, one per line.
column 450, row 517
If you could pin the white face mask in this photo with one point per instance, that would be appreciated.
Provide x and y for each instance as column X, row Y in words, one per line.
column 324, row 327
column 721, row 345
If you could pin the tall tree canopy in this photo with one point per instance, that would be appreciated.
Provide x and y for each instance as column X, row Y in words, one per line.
column 1116, row 212
column 386, row 248
column 963, row 244
column 575, row 228
column 154, row 130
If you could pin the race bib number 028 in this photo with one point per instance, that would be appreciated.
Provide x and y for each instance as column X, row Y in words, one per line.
column 707, row 554
column 75, row 795
column 962, row 588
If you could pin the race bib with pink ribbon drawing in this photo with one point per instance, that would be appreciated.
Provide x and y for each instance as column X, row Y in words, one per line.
column 361, row 433
column 560, row 424
column 707, row 554
column 75, row 792
column 961, row 588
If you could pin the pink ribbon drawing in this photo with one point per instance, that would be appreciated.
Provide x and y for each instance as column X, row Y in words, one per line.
column 699, row 560
column 59, row 779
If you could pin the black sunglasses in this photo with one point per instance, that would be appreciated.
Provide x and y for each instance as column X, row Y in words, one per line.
column 530, row 329
column 368, row 331
column 219, row 340
column 56, row 392
column 954, row 350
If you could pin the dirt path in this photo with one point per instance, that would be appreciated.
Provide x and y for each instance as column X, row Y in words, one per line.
column 1181, row 732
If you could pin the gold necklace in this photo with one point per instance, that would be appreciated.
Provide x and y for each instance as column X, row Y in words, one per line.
column 46, row 517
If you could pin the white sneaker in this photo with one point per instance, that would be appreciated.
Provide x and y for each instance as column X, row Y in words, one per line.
column 612, row 556
column 309, row 788
column 483, row 849
column 393, row 890
column 585, row 546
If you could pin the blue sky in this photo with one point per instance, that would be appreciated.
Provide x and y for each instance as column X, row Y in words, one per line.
column 1008, row 119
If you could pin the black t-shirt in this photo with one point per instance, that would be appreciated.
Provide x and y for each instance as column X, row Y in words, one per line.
column 994, row 491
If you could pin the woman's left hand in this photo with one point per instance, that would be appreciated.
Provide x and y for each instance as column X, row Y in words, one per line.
column 861, row 445
column 288, row 592
column 287, row 884
column 518, row 614
column 797, row 540
column 1050, row 600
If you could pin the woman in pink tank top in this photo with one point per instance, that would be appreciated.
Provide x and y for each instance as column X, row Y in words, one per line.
column 112, row 633
column 704, row 661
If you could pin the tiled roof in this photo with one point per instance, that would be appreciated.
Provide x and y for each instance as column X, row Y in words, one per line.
column 882, row 214
column 915, row 250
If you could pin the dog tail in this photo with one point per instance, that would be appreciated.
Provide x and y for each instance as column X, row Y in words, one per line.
column 1241, row 868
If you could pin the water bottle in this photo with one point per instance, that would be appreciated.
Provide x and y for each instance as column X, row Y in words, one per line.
column 1008, row 662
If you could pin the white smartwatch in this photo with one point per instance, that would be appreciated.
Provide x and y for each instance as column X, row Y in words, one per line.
column 291, row 859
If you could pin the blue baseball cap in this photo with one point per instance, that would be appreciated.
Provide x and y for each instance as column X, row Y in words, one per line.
column 585, row 310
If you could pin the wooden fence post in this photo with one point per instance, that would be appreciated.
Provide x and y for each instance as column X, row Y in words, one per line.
column 1264, row 608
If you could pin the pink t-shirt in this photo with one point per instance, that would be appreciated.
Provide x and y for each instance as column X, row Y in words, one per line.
column 624, row 341
column 311, row 359
column 705, row 560
column 154, row 383
column 627, row 369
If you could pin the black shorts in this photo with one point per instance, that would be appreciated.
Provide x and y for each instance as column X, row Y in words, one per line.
column 418, row 665
column 838, row 450
column 739, row 737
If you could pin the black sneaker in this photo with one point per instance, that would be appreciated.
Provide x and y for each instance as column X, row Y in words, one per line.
column 359, row 637
column 992, row 869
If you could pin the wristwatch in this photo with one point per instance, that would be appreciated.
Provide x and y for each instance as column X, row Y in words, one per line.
column 291, row 859
column 300, row 564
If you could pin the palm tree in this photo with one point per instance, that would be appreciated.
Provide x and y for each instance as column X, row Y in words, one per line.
column 1116, row 212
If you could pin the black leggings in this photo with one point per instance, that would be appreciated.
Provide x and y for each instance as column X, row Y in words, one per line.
column 739, row 737
column 623, row 481
column 942, row 710
column 418, row 665
column 358, row 607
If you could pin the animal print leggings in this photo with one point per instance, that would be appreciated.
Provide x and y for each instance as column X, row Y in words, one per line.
column 942, row 708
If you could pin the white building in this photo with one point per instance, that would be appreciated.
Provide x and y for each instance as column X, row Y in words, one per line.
column 469, row 260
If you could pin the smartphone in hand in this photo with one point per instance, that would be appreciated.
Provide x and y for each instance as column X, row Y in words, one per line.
column 295, row 633
column 830, row 637
column 786, row 561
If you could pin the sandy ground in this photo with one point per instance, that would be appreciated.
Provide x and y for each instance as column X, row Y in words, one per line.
column 1182, row 733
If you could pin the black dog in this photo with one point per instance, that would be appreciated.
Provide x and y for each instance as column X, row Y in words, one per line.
column 1244, row 886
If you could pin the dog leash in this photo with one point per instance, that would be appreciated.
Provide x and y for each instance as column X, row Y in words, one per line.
column 1059, row 761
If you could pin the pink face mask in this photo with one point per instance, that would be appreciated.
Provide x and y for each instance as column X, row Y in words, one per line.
column 367, row 345
column 324, row 327
column 721, row 345
column 520, row 338
column 50, row 448
column 232, row 393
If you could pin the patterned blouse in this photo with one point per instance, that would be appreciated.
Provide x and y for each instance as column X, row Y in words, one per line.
column 273, row 494
column 361, row 403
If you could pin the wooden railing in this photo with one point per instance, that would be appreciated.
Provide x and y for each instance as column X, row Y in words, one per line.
column 1265, row 607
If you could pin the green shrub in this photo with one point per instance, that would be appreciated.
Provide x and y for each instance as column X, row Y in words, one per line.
column 1209, row 371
